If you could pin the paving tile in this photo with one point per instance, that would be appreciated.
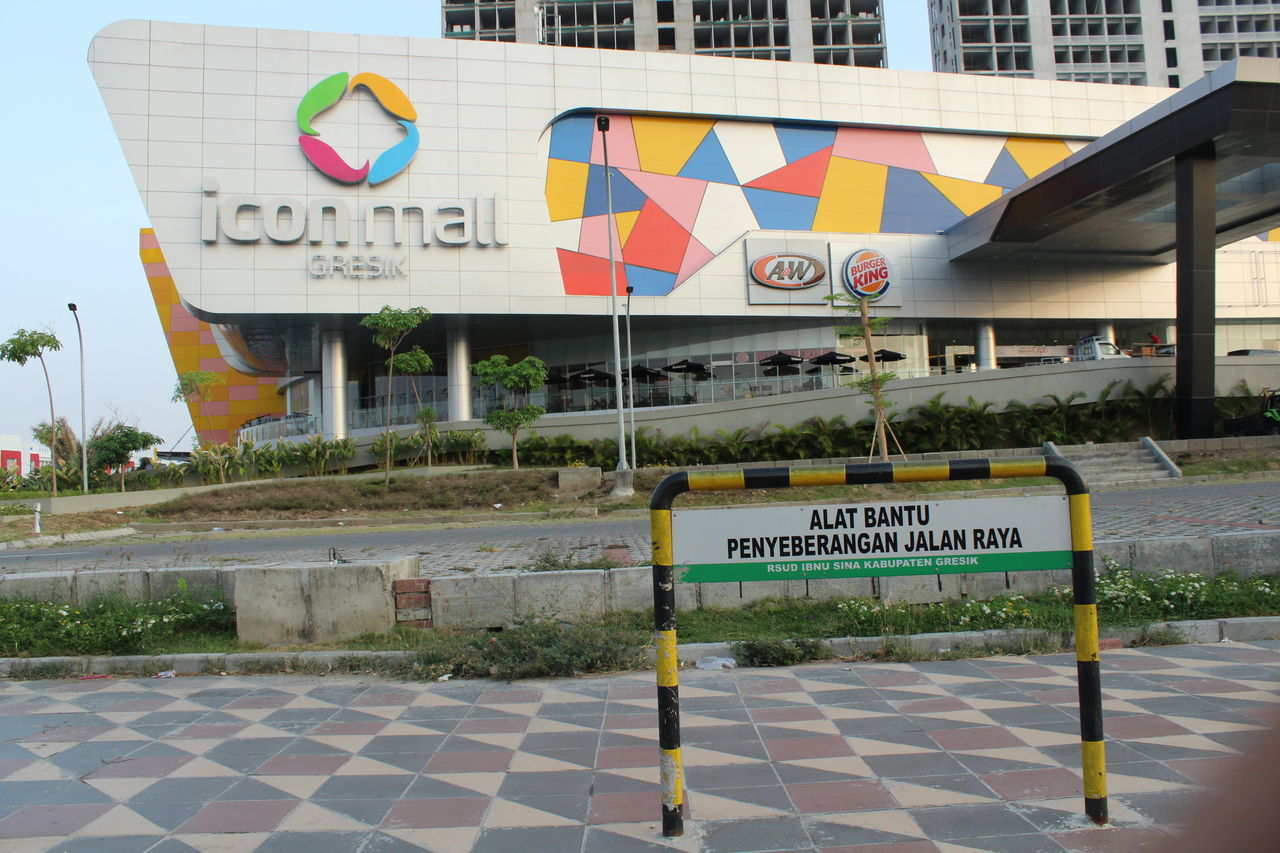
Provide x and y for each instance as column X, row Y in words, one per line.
column 907, row 766
column 624, row 807
column 1117, row 840
column 366, row 811
column 730, row 776
column 182, row 791
column 364, row 787
column 424, row 814
column 464, row 761
column 242, row 816
column 743, row 835
column 816, row 797
column 167, row 816
column 887, row 847
column 604, row 839
column 116, row 844
column 951, row 823
column 49, row 820
column 807, row 747
column 1034, row 784
column 524, row 839
column 764, row 766
column 313, row 842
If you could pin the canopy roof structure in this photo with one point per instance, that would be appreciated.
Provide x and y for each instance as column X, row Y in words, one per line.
column 1193, row 173
column 1113, row 200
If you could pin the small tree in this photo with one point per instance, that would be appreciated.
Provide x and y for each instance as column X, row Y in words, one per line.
column 197, row 385
column 873, row 383
column 429, row 431
column 115, row 446
column 517, row 380
column 390, row 327
column 21, row 348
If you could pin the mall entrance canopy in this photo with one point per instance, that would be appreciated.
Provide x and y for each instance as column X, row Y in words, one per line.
column 1197, row 171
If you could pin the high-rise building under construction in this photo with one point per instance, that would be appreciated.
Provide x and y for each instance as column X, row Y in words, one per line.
column 827, row 32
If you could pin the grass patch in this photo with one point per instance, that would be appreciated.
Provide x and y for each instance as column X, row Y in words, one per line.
column 770, row 651
column 550, row 561
column 533, row 649
column 1125, row 599
column 111, row 626
column 21, row 526
column 1237, row 461
column 769, row 632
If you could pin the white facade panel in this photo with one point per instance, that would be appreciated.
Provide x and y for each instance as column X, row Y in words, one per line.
column 221, row 105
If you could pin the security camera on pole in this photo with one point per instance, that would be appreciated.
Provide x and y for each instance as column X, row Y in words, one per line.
column 622, row 487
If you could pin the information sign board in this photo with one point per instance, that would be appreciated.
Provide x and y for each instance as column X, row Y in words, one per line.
column 872, row 540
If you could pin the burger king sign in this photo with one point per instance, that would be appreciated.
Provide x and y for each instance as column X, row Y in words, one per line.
column 866, row 274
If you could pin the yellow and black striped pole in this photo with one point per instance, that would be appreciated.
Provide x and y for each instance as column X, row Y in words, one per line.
column 664, row 593
column 1088, row 675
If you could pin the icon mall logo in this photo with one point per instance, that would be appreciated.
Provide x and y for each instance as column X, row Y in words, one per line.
column 326, row 94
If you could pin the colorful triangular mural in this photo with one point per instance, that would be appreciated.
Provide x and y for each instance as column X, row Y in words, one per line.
column 675, row 178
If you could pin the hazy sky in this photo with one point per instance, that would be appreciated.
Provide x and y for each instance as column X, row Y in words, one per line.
column 66, row 175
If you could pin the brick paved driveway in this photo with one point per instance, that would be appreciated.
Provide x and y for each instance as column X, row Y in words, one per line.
column 891, row 758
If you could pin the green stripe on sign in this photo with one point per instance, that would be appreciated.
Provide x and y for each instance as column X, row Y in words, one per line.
column 936, row 564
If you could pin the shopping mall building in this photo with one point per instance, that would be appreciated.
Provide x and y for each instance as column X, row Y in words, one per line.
column 298, row 181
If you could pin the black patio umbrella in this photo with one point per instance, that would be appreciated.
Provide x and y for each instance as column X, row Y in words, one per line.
column 555, row 379
column 591, row 374
column 885, row 355
column 640, row 373
column 781, row 359
column 833, row 358
column 685, row 366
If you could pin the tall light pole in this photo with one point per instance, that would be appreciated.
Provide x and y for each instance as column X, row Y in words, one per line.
column 84, row 436
column 622, row 480
column 631, row 386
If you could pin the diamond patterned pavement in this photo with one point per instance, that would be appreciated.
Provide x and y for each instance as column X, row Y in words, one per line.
column 893, row 758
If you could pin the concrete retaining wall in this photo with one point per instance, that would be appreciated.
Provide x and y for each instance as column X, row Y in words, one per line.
column 496, row 599
column 306, row 603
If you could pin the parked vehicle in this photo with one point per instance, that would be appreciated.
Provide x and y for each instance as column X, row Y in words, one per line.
column 1265, row 421
column 1094, row 348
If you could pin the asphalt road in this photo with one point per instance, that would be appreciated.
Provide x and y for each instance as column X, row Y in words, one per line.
column 1174, row 510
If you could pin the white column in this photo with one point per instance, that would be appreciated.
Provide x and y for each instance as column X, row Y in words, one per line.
column 459, row 370
column 333, row 371
column 985, row 345
column 1107, row 331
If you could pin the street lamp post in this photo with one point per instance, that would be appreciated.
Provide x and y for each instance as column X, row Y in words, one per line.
column 84, row 437
column 622, row 479
column 631, row 386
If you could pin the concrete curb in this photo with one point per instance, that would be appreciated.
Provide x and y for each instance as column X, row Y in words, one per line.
column 84, row 536
column 162, row 527
column 1234, row 630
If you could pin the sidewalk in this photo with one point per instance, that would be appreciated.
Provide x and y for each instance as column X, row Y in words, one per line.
column 892, row 758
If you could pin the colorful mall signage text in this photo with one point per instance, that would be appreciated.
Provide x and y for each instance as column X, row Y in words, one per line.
column 477, row 221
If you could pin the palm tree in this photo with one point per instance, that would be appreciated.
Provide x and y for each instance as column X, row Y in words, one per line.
column 19, row 349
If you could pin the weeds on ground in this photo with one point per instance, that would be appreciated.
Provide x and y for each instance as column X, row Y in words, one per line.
column 770, row 651
column 537, row 648
column 550, row 561
column 1161, row 635
column 109, row 626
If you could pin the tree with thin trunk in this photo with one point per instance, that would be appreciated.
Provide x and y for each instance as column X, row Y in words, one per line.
column 877, row 377
column 198, row 385
column 390, row 326
column 517, row 380
column 115, row 447
column 21, row 348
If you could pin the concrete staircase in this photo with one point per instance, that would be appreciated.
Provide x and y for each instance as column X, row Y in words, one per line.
column 1124, row 463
